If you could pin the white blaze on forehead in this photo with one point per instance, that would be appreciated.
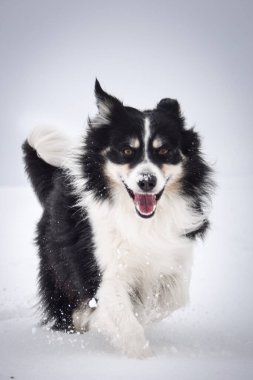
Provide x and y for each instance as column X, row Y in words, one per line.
column 146, row 136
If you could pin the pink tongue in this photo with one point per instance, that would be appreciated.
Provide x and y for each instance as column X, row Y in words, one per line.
column 145, row 203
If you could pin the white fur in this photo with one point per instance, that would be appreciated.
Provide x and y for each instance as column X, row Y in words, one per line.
column 147, row 259
column 146, row 136
column 51, row 145
column 146, row 256
column 104, row 113
column 100, row 119
column 167, row 177
column 148, row 168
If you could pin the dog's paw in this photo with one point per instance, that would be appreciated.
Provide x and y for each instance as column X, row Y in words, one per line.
column 138, row 351
column 133, row 344
column 80, row 318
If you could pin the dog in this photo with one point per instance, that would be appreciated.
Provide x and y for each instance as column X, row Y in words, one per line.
column 121, row 211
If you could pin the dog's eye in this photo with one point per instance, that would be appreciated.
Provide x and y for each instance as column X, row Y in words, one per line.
column 163, row 152
column 127, row 152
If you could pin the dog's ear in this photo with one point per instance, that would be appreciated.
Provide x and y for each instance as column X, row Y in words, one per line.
column 169, row 105
column 106, row 103
column 190, row 142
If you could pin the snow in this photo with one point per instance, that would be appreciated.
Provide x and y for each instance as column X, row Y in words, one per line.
column 93, row 303
column 212, row 338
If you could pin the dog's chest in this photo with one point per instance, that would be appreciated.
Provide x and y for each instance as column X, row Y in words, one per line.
column 141, row 256
column 133, row 247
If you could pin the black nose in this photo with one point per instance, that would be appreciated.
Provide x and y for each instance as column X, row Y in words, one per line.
column 147, row 182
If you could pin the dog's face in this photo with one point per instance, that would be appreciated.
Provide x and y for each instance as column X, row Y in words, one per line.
column 145, row 158
column 143, row 151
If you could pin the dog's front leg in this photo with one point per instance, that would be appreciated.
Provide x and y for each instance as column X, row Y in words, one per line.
column 115, row 318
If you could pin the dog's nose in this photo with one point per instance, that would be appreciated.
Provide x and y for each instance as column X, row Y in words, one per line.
column 147, row 182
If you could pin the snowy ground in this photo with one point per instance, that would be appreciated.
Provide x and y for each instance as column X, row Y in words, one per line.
column 210, row 339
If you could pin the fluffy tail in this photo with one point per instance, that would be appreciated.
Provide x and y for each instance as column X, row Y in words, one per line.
column 45, row 151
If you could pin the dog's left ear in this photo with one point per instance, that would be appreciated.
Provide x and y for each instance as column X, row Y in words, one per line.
column 106, row 103
column 169, row 105
column 190, row 142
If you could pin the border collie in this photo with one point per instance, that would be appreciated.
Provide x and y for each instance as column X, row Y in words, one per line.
column 121, row 211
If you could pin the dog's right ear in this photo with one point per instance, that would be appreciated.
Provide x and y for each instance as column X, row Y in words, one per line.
column 170, row 105
column 106, row 103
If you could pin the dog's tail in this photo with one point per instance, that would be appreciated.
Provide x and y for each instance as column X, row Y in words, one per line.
column 45, row 151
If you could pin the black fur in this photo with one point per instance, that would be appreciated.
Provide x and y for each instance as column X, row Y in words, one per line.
column 69, row 274
column 40, row 173
column 168, row 123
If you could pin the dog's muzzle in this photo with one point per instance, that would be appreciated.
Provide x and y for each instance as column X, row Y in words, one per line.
column 145, row 200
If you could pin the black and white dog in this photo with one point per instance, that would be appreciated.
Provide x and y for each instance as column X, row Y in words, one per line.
column 121, row 212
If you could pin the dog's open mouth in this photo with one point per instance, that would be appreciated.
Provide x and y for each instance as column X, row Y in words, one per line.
column 145, row 203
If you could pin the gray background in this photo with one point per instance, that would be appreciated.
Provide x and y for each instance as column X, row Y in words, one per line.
column 197, row 51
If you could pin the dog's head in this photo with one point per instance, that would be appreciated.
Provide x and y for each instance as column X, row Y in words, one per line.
column 143, row 153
